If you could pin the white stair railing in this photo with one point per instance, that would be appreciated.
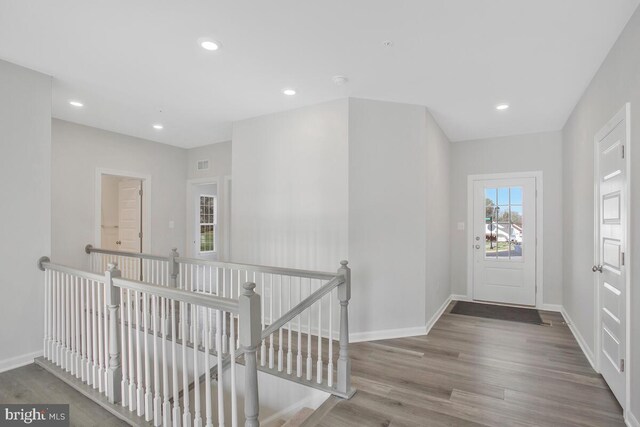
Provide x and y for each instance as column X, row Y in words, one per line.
column 98, row 329
column 309, row 347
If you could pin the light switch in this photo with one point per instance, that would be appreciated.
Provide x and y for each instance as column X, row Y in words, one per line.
column 461, row 226
column 172, row 225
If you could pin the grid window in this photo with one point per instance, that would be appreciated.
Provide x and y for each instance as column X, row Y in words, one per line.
column 208, row 223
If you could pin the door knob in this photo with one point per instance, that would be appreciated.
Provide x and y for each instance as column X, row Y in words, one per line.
column 118, row 242
column 596, row 268
column 477, row 246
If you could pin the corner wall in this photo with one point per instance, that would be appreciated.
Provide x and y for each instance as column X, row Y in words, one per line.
column 25, row 167
column 617, row 82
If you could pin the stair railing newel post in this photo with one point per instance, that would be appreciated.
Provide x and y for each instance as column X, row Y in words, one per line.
column 174, row 271
column 114, row 370
column 344, row 362
column 250, row 338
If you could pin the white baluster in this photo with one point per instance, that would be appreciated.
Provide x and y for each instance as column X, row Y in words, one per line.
column 330, row 362
column 101, row 370
column 280, row 341
column 90, row 334
column 234, row 393
column 68, row 318
column 271, row 349
column 219, row 316
column 76, row 311
column 299, row 356
column 94, row 321
column 197, row 421
column 186, row 418
column 60, row 322
column 166, row 405
column 289, row 353
column 105, row 320
column 124, row 383
column 174, row 344
column 263, row 348
column 132, row 386
column 157, row 402
column 83, row 330
column 207, row 374
column 45, row 342
column 309, row 359
column 148, row 396
column 319, row 364
column 224, row 318
column 72, row 325
column 140, row 389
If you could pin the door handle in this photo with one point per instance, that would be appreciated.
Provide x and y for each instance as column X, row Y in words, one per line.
column 596, row 268
column 118, row 242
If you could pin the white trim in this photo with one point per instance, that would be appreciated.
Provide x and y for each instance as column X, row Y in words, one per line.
column 581, row 341
column 539, row 197
column 146, row 205
column 386, row 334
column 623, row 114
column 630, row 419
column 551, row 307
column 18, row 361
column 226, row 218
column 436, row 316
column 190, row 228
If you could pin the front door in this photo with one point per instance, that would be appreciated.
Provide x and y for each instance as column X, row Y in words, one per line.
column 610, row 254
column 504, row 240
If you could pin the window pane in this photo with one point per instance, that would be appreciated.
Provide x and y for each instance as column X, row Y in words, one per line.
column 516, row 195
column 502, row 247
column 490, row 239
column 516, row 216
column 502, row 213
column 207, row 238
column 490, row 197
column 503, row 196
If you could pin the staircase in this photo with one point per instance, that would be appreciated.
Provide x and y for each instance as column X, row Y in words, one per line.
column 134, row 336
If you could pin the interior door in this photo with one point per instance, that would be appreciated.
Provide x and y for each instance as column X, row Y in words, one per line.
column 130, row 215
column 504, row 241
column 611, row 246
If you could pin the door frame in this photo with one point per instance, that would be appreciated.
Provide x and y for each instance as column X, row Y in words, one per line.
column 539, row 228
column 191, row 227
column 146, row 205
column 623, row 114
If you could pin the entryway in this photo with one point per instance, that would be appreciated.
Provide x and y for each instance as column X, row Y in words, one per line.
column 121, row 211
column 504, row 236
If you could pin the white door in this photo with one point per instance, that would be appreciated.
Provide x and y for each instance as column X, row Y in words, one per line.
column 130, row 215
column 610, row 253
column 504, row 240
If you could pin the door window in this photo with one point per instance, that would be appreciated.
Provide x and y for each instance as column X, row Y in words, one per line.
column 208, row 223
column 503, row 223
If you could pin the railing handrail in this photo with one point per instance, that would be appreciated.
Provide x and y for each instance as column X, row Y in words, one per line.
column 89, row 249
column 302, row 306
column 44, row 263
column 200, row 299
column 307, row 274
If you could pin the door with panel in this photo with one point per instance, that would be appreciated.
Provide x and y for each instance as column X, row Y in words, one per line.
column 130, row 215
column 610, row 267
column 504, row 242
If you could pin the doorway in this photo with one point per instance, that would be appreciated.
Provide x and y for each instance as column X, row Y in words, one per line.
column 612, row 275
column 204, row 214
column 504, row 233
column 121, row 211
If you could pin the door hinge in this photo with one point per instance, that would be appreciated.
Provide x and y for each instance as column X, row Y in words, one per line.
column 622, row 258
column 140, row 235
column 140, row 192
column 623, row 151
column 621, row 365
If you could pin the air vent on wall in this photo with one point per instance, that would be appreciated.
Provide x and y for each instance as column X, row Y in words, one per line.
column 203, row 165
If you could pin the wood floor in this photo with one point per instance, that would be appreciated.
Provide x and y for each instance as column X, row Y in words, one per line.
column 33, row 384
column 472, row 371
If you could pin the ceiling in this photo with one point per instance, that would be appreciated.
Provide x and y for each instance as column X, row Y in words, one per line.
column 136, row 63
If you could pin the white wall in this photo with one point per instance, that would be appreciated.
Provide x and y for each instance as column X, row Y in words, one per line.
column 290, row 188
column 396, row 153
column 522, row 153
column 77, row 152
column 25, row 167
column 219, row 156
column 617, row 82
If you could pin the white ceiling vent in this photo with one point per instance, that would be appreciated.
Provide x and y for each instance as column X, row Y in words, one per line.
column 203, row 165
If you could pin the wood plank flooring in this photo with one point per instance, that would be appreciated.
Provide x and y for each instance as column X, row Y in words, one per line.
column 33, row 384
column 472, row 371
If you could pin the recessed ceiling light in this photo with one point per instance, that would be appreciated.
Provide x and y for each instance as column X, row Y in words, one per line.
column 76, row 103
column 501, row 107
column 209, row 44
column 387, row 43
column 158, row 126
column 340, row 80
column 289, row 92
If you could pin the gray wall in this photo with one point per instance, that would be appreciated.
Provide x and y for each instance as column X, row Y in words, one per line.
column 77, row 152
column 617, row 82
column 219, row 156
column 25, row 168
column 289, row 197
column 523, row 153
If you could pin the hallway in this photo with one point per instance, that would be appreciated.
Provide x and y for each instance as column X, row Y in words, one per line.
column 472, row 371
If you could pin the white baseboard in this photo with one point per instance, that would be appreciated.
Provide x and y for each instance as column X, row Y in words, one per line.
column 581, row 341
column 630, row 420
column 18, row 361
column 460, row 297
column 551, row 307
column 438, row 314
